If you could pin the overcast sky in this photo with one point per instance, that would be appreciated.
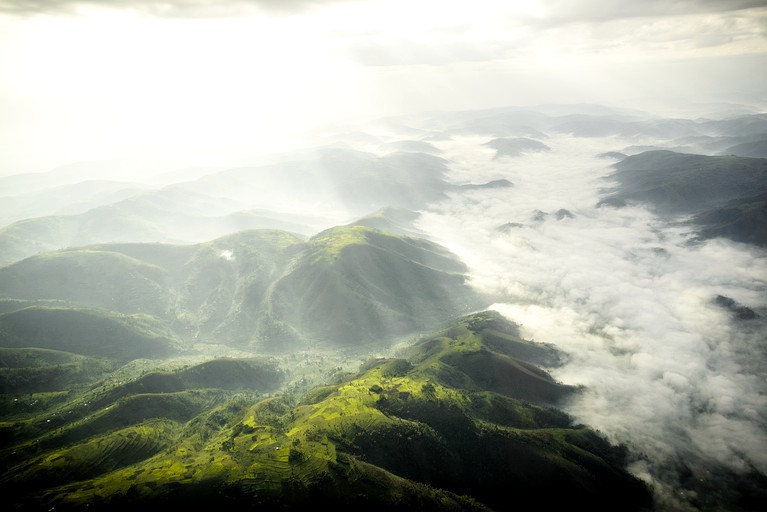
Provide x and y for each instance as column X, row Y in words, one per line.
column 79, row 81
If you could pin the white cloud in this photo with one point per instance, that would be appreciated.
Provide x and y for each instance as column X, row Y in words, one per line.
column 665, row 370
column 103, row 82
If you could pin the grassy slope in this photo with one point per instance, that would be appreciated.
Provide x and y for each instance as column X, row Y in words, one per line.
column 31, row 370
column 89, row 416
column 95, row 278
column 423, row 433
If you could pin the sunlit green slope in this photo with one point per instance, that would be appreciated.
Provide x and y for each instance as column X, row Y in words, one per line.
column 438, row 428
column 100, row 425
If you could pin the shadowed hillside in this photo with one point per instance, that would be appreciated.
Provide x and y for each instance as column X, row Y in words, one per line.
column 723, row 194
column 88, row 332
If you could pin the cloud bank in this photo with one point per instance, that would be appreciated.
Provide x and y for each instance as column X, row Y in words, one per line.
column 665, row 369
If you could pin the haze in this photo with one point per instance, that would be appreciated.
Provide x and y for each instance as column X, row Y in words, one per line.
column 195, row 82
column 179, row 122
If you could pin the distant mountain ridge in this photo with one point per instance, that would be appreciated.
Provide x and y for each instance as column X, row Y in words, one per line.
column 724, row 195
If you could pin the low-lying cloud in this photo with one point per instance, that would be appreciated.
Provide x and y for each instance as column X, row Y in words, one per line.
column 665, row 368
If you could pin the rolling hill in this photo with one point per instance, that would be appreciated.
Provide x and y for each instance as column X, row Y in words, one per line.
column 431, row 429
column 345, row 287
column 88, row 332
column 722, row 195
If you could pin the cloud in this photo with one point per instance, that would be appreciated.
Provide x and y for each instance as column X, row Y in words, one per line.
column 559, row 11
column 574, row 31
column 665, row 370
column 171, row 9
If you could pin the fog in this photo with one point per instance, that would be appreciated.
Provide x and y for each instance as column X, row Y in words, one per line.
column 627, row 297
column 183, row 121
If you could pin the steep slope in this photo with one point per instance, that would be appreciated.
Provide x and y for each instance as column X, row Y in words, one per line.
column 147, row 218
column 355, row 285
column 88, row 415
column 305, row 193
column 418, row 434
column 398, row 221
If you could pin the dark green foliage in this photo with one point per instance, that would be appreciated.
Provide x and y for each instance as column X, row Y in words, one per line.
column 395, row 436
column 35, row 370
column 88, row 332
column 103, row 279
column 229, row 374
column 88, row 459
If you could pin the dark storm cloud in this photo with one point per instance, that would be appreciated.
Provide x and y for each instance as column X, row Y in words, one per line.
column 173, row 8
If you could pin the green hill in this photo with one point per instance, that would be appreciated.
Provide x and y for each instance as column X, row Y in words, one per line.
column 398, row 221
column 425, row 431
column 88, row 332
column 680, row 183
column 94, row 278
column 31, row 370
column 226, row 373
column 347, row 286
column 356, row 285
column 723, row 195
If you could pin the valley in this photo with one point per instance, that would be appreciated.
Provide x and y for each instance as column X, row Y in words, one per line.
column 456, row 312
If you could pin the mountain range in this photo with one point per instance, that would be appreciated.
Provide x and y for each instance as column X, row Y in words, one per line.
column 287, row 334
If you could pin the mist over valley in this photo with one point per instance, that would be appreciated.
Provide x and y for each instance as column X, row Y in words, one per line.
column 599, row 259
column 358, row 254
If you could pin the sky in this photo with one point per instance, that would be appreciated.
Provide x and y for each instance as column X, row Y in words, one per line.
column 192, row 80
